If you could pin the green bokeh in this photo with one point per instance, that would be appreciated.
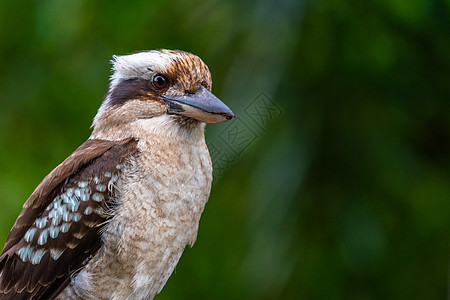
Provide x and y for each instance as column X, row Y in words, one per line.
column 344, row 196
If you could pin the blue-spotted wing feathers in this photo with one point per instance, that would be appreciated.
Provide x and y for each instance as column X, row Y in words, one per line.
column 58, row 229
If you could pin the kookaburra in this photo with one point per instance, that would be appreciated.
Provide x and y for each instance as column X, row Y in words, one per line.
column 112, row 220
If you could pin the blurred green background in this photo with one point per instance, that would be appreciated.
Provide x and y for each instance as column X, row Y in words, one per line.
column 344, row 196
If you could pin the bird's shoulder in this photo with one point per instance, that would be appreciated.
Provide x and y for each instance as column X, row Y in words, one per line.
column 58, row 229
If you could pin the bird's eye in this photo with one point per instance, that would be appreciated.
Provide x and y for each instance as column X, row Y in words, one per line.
column 160, row 82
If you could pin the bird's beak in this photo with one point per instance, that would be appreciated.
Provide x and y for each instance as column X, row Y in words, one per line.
column 201, row 105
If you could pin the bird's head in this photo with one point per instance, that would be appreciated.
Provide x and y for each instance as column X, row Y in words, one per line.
column 155, row 83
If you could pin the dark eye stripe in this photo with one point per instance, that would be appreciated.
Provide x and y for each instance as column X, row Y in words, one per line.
column 134, row 88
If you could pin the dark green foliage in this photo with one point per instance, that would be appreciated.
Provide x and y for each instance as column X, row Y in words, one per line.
column 345, row 196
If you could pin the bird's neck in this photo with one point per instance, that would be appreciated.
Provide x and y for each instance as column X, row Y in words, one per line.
column 168, row 126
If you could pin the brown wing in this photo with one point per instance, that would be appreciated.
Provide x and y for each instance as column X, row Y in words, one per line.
column 57, row 231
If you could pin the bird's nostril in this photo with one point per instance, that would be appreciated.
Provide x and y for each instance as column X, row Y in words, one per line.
column 189, row 92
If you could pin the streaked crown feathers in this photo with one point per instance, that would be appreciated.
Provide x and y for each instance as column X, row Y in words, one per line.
column 179, row 66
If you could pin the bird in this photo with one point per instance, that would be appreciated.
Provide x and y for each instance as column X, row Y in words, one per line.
column 113, row 219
